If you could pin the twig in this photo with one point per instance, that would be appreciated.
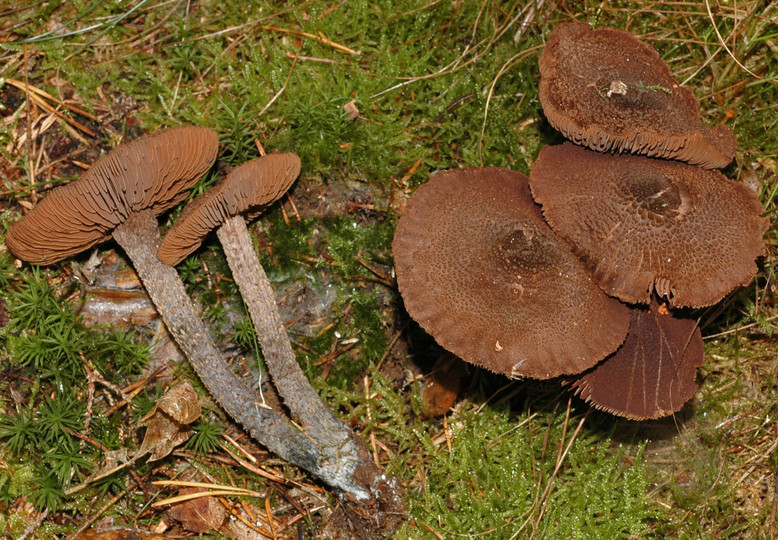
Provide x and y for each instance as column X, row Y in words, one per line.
column 243, row 451
column 28, row 109
column 34, row 525
column 281, row 91
column 85, row 525
column 391, row 344
column 729, row 52
column 334, row 354
column 42, row 93
column 234, row 512
column 740, row 328
column 509, row 63
column 311, row 58
column 320, row 39
column 370, row 419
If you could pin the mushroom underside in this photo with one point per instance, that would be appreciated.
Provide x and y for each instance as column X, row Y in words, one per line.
column 653, row 373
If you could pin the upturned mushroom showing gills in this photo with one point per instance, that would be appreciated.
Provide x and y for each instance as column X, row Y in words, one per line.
column 644, row 225
column 653, row 373
column 481, row 272
column 248, row 190
column 606, row 90
column 121, row 195
column 148, row 176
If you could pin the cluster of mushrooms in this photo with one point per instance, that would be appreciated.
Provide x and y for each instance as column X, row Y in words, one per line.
column 120, row 197
column 587, row 269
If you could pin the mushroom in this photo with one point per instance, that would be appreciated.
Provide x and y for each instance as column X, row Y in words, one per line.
column 606, row 90
column 480, row 270
column 120, row 196
column 642, row 225
column 248, row 190
column 653, row 373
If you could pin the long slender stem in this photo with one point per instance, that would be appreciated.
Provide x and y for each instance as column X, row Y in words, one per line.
column 288, row 378
column 139, row 237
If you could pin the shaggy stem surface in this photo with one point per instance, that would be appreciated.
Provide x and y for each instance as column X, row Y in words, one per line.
column 288, row 378
column 139, row 237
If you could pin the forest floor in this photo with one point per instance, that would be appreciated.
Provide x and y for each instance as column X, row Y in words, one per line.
column 374, row 96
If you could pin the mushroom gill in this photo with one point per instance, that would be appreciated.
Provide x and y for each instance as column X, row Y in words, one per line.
column 643, row 225
column 653, row 373
column 480, row 270
column 606, row 90
column 153, row 172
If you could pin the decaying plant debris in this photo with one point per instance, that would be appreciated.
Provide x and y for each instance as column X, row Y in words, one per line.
column 374, row 98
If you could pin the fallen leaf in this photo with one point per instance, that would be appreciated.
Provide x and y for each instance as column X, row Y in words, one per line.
column 198, row 515
column 166, row 423
column 442, row 385
column 119, row 533
column 351, row 110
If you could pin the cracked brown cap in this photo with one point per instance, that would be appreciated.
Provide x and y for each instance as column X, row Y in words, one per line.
column 152, row 172
column 248, row 189
column 643, row 225
column 480, row 270
column 606, row 90
column 653, row 373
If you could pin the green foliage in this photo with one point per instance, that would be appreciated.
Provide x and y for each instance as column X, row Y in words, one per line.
column 58, row 416
column 245, row 336
column 68, row 462
column 430, row 87
column 48, row 492
column 206, row 437
column 500, row 475
column 19, row 430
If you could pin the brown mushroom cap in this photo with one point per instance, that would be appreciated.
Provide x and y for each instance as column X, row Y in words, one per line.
column 653, row 373
column 480, row 270
column 643, row 224
column 151, row 172
column 606, row 90
column 248, row 189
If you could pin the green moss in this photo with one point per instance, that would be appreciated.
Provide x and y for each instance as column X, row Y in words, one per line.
column 182, row 65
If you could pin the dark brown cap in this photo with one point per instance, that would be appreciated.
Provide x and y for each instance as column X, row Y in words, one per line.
column 606, row 90
column 150, row 173
column 653, row 373
column 248, row 189
column 643, row 225
column 480, row 270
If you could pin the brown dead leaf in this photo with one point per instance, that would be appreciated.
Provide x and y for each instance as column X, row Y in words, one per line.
column 119, row 533
column 166, row 423
column 442, row 385
column 198, row 515
column 350, row 108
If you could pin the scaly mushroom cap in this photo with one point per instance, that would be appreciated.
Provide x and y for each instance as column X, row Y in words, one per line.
column 151, row 172
column 606, row 90
column 480, row 270
column 643, row 224
column 653, row 373
column 248, row 189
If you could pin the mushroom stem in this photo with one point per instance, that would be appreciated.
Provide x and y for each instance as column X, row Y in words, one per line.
column 288, row 378
column 139, row 237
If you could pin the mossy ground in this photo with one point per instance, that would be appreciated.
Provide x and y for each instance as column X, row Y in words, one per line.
column 436, row 85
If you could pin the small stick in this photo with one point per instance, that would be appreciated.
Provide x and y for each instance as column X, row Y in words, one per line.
column 320, row 39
